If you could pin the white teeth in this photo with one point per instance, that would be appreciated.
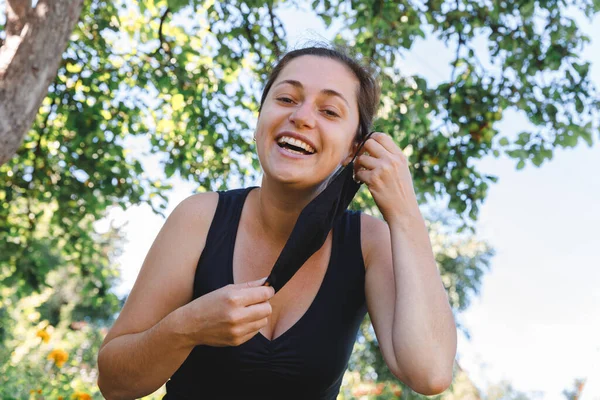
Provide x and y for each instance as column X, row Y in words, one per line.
column 297, row 143
column 293, row 151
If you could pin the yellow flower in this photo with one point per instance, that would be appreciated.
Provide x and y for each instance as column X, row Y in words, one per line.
column 44, row 335
column 81, row 396
column 60, row 398
column 59, row 357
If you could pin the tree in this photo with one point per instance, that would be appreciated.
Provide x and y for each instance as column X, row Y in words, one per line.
column 30, row 53
column 180, row 79
column 184, row 78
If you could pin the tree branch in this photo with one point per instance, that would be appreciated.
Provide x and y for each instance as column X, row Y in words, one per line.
column 275, row 39
column 17, row 12
column 161, row 37
column 377, row 6
column 461, row 41
column 29, row 63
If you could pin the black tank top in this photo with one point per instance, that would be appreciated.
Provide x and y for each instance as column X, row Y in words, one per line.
column 307, row 361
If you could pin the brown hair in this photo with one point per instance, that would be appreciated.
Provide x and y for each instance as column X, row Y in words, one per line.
column 368, row 92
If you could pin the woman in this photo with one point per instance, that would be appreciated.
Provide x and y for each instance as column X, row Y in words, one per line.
column 199, row 315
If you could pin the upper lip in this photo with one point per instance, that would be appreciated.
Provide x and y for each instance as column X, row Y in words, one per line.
column 296, row 136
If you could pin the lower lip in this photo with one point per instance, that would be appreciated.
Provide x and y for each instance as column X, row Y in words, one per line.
column 290, row 154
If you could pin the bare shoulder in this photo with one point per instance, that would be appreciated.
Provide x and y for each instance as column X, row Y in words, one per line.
column 195, row 212
column 165, row 281
column 189, row 223
column 374, row 237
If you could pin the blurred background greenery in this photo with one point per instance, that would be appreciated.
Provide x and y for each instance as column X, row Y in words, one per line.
column 183, row 78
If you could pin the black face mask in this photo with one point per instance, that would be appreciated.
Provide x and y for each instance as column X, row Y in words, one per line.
column 314, row 223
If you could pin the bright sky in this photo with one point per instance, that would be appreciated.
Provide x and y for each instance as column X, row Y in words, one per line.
column 536, row 322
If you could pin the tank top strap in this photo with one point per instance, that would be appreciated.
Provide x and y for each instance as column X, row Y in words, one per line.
column 219, row 241
column 349, row 265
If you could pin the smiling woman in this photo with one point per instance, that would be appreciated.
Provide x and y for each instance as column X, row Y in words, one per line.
column 200, row 316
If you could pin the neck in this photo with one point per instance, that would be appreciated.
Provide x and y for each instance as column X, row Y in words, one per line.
column 278, row 208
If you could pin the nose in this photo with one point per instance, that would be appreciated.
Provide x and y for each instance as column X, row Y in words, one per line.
column 302, row 116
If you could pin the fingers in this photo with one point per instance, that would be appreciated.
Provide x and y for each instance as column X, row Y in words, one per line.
column 379, row 151
column 374, row 147
column 247, row 293
column 249, row 296
column 255, row 283
column 253, row 327
column 258, row 311
column 249, row 321
column 246, row 337
column 366, row 161
column 364, row 176
column 386, row 142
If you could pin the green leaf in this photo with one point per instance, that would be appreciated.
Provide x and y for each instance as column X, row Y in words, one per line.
column 176, row 5
column 579, row 104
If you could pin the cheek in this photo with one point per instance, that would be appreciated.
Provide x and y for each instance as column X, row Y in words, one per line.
column 267, row 118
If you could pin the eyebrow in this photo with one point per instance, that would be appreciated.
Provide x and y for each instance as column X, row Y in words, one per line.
column 329, row 92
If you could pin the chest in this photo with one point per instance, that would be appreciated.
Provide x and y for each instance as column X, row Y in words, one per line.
column 253, row 260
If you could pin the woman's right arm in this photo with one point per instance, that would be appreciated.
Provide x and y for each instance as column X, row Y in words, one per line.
column 160, row 325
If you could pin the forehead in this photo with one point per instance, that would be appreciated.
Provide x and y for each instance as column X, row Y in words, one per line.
column 318, row 73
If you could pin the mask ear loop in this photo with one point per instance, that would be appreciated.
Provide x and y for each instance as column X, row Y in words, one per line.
column 356, row 155
column 340, row 170
column 361, row 146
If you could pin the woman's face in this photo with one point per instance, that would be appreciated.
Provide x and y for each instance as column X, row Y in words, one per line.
column 308, row 121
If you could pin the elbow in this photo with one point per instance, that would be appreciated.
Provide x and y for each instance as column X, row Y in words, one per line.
column 105, row 389
column 437, row 385
column 101, row 381
column 104, row 382
column 108, row 392
column 430, row 383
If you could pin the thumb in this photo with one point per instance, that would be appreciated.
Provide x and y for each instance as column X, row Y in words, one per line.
column 256, row 283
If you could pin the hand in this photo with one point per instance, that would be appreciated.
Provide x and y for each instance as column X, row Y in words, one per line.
column 231, row 315
column 385, row 171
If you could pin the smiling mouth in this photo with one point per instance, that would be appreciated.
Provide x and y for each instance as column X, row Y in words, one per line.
column 293, row 149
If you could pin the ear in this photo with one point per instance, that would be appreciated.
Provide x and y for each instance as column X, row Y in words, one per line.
column 353, row 147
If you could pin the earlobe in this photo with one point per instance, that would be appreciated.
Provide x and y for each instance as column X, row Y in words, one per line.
column 353, row 149
column 348, row 159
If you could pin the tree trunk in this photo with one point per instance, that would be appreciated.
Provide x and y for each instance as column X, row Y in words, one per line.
column 29, row 59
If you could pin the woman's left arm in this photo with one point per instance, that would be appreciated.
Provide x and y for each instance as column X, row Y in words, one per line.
column 406, row 299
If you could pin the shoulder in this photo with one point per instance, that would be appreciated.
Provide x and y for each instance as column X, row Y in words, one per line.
column 193, row 213
column 374, row 237
column 188, row 224
column 196, row 208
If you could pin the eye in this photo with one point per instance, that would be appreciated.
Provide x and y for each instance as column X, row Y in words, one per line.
column 285, row 100
column 331, row 113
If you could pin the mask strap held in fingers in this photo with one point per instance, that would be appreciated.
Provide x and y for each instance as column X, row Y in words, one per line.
column 361, row 146
column 356, row 154
column 341, row 169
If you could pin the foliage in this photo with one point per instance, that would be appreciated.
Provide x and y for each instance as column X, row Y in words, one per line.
column 180, row 80
column 531, row 66
column 50, row 338
column 184, row 78
column 43, row 361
